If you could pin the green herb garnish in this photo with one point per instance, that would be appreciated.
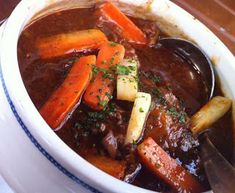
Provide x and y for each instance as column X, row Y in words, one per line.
column 150, row 75
column 113, row 44
column 105, row 73
column 134, row 142
column 141, row 110
column 78, row 125
column 102, row 103
column 181, row 116
column 110, row 96
column 124, row 70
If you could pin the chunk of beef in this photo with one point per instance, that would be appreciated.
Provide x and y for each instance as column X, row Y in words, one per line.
column 110, row 144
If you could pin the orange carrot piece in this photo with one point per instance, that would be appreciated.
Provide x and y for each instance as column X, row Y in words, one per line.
column 69, row 42
column 112, row 167
column 110, row 54
column 129, row 30
column 64, row 99
column 98, row 92
column 163, row 166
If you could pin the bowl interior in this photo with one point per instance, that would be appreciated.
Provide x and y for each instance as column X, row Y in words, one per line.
column 170, row 18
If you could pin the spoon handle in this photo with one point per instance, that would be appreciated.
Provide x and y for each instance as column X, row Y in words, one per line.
column 220, row 173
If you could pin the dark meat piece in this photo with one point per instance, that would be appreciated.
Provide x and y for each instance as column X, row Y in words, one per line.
column 100, row 128
column 166, row 126
column 175, row 74
column 167, row 122
column 114, row 33
column 150, row 29
column 161, row 92
column 149, row 181
column 133, row 164
column 110, row 144
column 131, row 177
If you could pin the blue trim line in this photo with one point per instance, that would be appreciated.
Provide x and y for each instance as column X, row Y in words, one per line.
column 38, row 146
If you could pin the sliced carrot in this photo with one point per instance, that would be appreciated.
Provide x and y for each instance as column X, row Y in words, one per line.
column 98, row 92
column 110, row 54
column 69, row 42
column 112, row 167
column 166, row 168
column 129, row 30
column 66, row 97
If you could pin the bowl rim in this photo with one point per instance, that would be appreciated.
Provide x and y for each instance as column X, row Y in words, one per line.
column 46, row 141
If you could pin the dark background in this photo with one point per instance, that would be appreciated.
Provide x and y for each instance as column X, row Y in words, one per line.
column 218, row 15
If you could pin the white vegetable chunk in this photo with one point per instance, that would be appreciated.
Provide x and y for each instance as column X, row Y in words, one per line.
column 127, row 84
column 138, row 116
column 209, row 114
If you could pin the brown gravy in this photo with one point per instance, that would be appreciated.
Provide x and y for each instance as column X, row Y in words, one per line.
column 172, row 82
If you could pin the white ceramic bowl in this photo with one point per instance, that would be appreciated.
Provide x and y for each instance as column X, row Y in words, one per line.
column 32, row 157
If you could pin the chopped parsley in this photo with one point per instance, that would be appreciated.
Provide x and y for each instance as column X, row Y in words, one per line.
column 110, row 96
column 160, row 98
column 78, row 125
column 91, row 120
column 134, row 142
column 173, row 111
column 102, row 103
column 124, row 70
column 141, row 110
column 113, row 44
column 104, row 62
column 152, row 76
column 157, row 93
column 131, row 60
column 106, row 73
column 113, row 58
column 101, row 115
column 181, row 116
column 156, row 79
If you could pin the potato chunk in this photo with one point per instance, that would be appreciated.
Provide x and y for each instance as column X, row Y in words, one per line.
column 127, row 85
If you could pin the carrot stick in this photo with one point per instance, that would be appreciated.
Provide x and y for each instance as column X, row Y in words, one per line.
column 114, row 168
column 98, row 92
column 129, row 30
column 163, row 166
column 67, row 43
column 64, row 99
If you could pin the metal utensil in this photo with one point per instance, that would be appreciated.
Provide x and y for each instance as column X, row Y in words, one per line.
column 220, row 173
column 200, row 61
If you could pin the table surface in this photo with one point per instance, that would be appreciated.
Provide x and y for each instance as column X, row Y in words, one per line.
column 218, row 15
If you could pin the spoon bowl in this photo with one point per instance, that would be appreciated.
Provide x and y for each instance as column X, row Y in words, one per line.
column 220, row 173
column 195, row 56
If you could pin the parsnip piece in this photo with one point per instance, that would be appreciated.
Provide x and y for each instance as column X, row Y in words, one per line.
column 127, row 85
column 138, row 116
column 209, row 114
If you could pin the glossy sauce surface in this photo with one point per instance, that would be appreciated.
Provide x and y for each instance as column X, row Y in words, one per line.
column 176, row 88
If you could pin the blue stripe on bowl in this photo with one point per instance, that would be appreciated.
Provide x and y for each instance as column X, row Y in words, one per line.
column 38, row 146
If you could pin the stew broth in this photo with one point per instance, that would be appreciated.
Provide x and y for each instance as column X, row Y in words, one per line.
column 177, row 91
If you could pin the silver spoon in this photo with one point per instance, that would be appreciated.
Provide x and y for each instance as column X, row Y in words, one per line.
column 220, row 173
